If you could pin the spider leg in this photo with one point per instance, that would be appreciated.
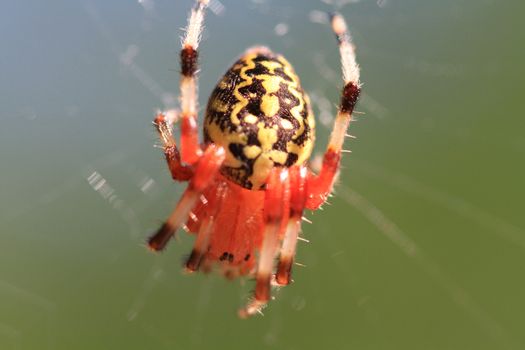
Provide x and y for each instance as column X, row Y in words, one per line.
column 277, row 191
column 297, row 200
column 319, row 187
column 178, row 171
column 190, row 147
column 206, row 169
column 201, row 244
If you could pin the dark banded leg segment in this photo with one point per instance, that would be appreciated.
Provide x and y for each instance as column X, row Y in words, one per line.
column 320, row 187
column 205, row 173
column 190, row 147
column 276, row 193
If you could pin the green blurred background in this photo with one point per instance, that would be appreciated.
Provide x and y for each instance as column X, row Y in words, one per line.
column 423, row 246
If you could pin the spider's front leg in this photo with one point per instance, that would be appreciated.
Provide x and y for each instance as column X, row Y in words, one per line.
column 204, row 175
column 190, row 147
column 319, row 187
column 277, row 197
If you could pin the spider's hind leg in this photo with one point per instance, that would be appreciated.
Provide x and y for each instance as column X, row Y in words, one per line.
column 201, row 244
column 277, row 194
column 205, row 172
column 293, row 227
column 206, row 226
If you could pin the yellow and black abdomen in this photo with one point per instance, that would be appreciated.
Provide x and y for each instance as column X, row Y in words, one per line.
column 260, row 114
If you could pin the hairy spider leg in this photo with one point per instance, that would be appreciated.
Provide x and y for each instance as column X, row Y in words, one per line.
column 298, row 176
column 277, row 193
column 190, row 147
column 205, row 172
column 179, row 172
column 320, row 186
column 204, row 221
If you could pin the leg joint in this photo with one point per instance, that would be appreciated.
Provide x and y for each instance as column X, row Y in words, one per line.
column 188, row 61
column 349, row 97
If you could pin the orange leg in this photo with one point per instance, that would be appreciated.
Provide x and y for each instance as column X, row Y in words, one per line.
column 319, row 187
column 293, row 227
column 179, row 172
column 206, row 227
column 205, row 172
column 276, row 194
column 200, row 245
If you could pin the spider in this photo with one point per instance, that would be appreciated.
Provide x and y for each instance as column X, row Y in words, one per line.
column 249, row 181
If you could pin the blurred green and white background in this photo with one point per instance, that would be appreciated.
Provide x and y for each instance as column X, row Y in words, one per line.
column 423, row 246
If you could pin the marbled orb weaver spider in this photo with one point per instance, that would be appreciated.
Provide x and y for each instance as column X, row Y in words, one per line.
column 249, row 181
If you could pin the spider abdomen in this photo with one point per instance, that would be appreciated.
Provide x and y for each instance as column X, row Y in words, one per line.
column 261, row 116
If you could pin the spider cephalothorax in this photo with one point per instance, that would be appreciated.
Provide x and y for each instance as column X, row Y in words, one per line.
column 249, row 181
